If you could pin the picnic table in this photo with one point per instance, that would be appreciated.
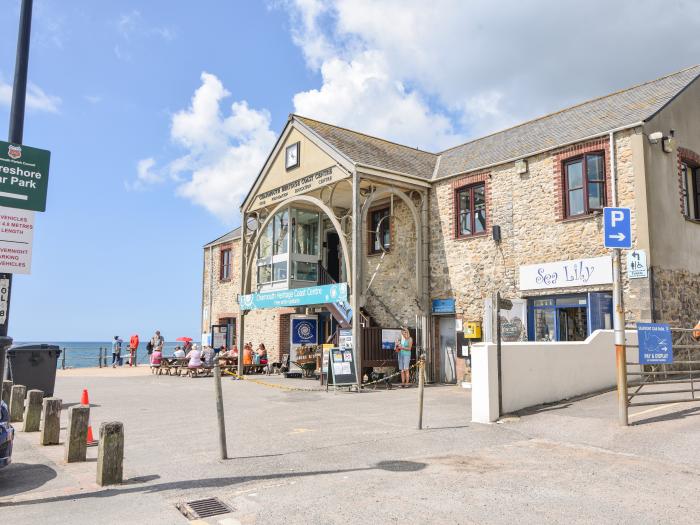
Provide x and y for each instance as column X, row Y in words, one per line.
column 178, row 365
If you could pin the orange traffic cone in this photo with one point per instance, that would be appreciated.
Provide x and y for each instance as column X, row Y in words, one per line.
column 85, row 400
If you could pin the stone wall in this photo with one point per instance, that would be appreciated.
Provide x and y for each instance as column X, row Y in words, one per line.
column 529, row 211
column 676, row 297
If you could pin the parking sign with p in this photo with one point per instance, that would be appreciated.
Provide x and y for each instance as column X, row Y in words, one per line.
column 617, row 228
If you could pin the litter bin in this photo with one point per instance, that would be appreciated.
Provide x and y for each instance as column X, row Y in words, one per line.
column 5, row 343
column 33, row 366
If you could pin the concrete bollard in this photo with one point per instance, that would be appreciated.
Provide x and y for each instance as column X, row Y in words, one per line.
column 110, row 455
column 50, row 421
column 19, row 393
column 76, row 437
column 32, row 413
column 6, row 391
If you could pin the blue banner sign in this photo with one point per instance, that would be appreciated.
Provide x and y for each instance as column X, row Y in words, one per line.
column 655, row 345
column 443, row 306
column 329, row 293
column 304, row 331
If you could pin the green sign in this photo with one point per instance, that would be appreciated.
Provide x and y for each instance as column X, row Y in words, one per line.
column 24, row 176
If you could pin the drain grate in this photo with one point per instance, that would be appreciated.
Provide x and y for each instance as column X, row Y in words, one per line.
column 203, row 508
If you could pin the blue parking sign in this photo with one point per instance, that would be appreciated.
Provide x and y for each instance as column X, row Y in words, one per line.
column 617, row 228
column 655, row 344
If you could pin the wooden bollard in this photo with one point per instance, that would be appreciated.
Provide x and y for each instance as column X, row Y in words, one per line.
column 19, row 393
column 51, row 421
column 6, row 391
column 110, row 454
column 32, row 413
column 76, row 438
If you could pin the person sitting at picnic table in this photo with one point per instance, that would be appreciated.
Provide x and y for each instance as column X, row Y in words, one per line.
column 179, row 353
column 156, row 358
column 261, row 355
column 208, row 355
column 234, row 351
column 248, row 354
column 195, row 357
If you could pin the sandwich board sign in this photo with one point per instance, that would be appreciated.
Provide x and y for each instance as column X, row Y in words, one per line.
column 24, row 176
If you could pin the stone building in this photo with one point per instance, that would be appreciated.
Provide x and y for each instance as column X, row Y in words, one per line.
column 425, row 239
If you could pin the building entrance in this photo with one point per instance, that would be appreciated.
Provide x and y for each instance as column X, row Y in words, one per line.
column 447, row 344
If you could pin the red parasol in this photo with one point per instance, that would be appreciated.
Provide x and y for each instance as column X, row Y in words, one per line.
column 184, row 339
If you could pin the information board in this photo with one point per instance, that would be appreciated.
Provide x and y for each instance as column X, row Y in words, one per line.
column 655, row 344
column 341, row 367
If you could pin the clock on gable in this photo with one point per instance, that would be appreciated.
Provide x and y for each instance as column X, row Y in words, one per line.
column 291, row 156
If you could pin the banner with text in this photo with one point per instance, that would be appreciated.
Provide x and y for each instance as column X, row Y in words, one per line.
column 329, row 293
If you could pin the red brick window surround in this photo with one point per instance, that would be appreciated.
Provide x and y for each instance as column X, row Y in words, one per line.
column 689, row 183
column 581, row 179
column 471, row 206
column 225, row 264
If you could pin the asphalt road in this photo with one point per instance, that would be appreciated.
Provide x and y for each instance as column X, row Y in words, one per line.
column 317, row 457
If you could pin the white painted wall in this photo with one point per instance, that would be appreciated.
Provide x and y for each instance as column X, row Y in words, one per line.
column 534, row 372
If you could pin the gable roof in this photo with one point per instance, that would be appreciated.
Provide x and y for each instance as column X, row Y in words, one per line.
column 230, row 236
column 588, row 119
column 373, row 151
column 594, row 117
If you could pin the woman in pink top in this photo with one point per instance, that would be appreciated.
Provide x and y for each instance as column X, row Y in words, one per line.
column 195, row 357
column 156, row 358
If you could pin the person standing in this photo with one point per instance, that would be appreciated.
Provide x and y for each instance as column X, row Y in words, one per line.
column 157, row 342
column 116, row 351
column 403, row 348
column 133, row 347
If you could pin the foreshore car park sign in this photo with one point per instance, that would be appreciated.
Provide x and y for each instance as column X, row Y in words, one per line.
column 24, row 176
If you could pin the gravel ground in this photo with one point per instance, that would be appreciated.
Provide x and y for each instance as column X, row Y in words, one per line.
column 317, row 457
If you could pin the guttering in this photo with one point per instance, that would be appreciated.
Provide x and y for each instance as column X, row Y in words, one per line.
column 544, row 150
column 422, row 181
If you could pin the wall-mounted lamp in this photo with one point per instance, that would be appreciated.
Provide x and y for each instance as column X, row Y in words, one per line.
column 655, row 137
column 496, row 232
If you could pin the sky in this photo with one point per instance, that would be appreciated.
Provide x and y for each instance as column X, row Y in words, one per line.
column 160, row 114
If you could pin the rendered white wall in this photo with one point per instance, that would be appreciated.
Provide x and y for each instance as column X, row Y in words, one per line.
column 534, row 373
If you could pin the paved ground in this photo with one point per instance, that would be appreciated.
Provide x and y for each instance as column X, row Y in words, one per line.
column 317, row 457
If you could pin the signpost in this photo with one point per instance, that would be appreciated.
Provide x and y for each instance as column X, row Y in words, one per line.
column 617, row 234
column 655, row 344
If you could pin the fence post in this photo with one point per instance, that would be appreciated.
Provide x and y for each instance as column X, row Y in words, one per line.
column 110, row 454
column 421, row 388
column 19, row 392
column 32, row 414
column 63, row 359
column 51, row 421
column 76, row 440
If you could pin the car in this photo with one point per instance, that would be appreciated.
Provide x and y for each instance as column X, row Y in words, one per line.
column 7, row 435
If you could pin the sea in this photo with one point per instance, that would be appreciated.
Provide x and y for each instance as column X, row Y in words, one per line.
column 86, row 354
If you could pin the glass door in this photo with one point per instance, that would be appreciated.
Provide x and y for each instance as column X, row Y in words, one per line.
column 448, row 349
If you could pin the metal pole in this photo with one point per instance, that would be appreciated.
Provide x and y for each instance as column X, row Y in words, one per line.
column 497, row 320
column 243, row 291
column 19, row 97
column 421, row 388
column 220, row 409
column 620, row 350
column 355, row 281
column 63, row 360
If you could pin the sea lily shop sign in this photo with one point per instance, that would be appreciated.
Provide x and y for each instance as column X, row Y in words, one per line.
column 563, row 274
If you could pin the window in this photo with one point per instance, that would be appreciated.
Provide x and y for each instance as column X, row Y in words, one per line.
column 584, row 184
column 568, row 317
column 379, row 221
column 225, row 268
column 690, row 191
column 471, row 210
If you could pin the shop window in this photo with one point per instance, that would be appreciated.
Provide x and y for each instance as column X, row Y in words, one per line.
column 584, row 184
column 690, row 191
column 379, row 221
column 471, row 210
column 225, row 265
column 568, row 317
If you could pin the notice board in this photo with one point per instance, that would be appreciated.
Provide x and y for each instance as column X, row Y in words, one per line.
column 341, row 367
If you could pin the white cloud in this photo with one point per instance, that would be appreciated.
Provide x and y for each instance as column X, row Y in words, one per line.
column 485, row 70
column 132, row 26
column 224, row 152
column 37, row 98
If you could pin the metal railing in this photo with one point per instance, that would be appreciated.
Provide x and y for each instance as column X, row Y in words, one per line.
column 683, row 371
column 102, row 357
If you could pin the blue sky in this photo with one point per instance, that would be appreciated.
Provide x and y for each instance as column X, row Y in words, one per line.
column 158, row 115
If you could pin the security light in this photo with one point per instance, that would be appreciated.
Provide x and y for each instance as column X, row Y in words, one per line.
column 655, row 137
